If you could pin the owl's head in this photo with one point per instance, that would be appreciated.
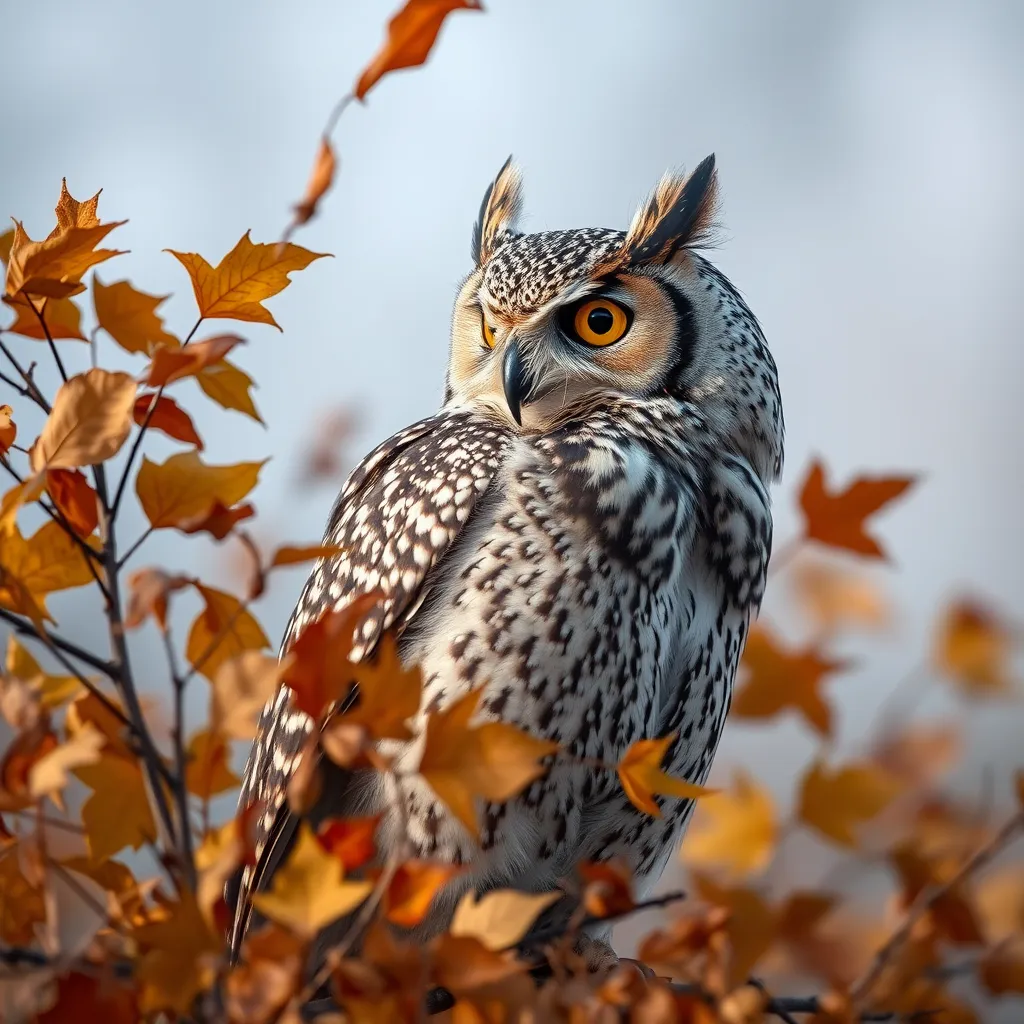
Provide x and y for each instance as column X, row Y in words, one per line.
column 551, row 324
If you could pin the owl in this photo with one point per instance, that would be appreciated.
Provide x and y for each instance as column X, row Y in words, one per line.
column 582, row 531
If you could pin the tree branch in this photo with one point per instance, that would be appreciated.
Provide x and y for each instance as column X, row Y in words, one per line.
column 26, row 628
column 49, row 337
column 26, row 376
column 180, row 763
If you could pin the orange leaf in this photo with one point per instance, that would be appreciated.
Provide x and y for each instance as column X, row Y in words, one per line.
column 117, row 813
column 412, row 890
column 82, row 997
column 836, row 801
column 1002, row 969
column 351, row 840
column 168, row 417
column 251, row 272
column 833, row 597
column 777, row 679
column 47, row 561
column 53, row 691
column 149, row 590
column 8, row 429
column 90, row 420
column 920, row 755
column 6, row 241
column 641, row 776
column 839, row 518
column 130, row 317
column 412, row 33
column 173, row 362
column 291, row 555
column 62, row 317
column 389, row 693
column 72, row 213
column 74, row 498
column 223, row 630
column 319, row 182
column 219, row 521
column 499, row 918
column 608, row 889
column 241, row 688
column 207, row 772
column 228, row 386
column 184, row 487
column 975, row 649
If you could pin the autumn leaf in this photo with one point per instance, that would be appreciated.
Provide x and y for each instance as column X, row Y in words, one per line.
column 184, row 487
column 117, row 813
column 53, row 690
column 607, row 888
column 413, row 888
column 149, row 590
column 168, row 417
column 251, row 272
column 351, row 840
column 835, row 802
column 228, row 386
column 223, row 630
column 88, row 710
column 90, row 420
column 20, row 494
column 389, row 693
column 218, row 521
column 920, row 755
column 777, row 678
column 241, row 687
column 8, row 429
column 207, row 772
column 62, row 317
column 833, row 597
column 289, row 554
column 75, row 499
column 838, row 518
column 309, row 890
column 175, row 362
column 500, row 918
column 130, row 316
column 975, row 649
column 319, row 182
column 736, row 830
column 16, row 597
column 49, row 561
column 49, row 774
column 74, row 213
column 642, row 778
column 412, row 33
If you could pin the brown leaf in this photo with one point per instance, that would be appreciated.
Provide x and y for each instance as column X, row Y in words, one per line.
column 8, row 429
column 975, row 649
column 130, row 316
column 836, row 801
column 168, row 416
column 241, row 687
column 777, row 678
column 351, row 840
column 75, row 499
column 412, row 33
column 24, row 903
column 413, row 888
column 838, row 518
column 320, row 181
column 219, row 521
column 149, row 590
column 641, row 776
column 288, row 554
column 175, row 362
column 500, row 918
column 223, row 630
column 389, row 693
column 244, row 278
column 607, row 888
column 62, row 317
column 207, row 772
column 90, row 420
column 228, row 386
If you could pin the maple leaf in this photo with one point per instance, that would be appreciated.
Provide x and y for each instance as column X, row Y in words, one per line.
column 413, row 888
column 75, row 499
column 500, row 918
column 975, row 649
column 412, row 33
column 218, row 521
column 289, row 554
column 309, row 890
column 73, row 213
column 778, row 678
column 641, row 776
column 462, row 762
column 221, row 631
column 228, row 386
column 21, row 494
column 49, row 774
column 62, row 317
column 175, row 362
column 184, row 487
column 836, row 801
column 241, row 687
column 47, row 562
column 130, row 317
column 838, row 518
column 8, row 428
column 207, row 772
column 251, row 272
column 389, row 693
column 53, row 690
column 117, row 813
column 90, row 420
column 149, row 590
column 320, row 180
column 168, row 416
column 736, row 830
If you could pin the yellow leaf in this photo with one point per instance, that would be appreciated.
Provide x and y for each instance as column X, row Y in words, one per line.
column 833, row 597
column 130, row 317
column 48, row 561
column 642, row 778
column 500, row 918
column 309, row 890
column 251, row 272
column 15, row 596
column 49, row 774
column 836, row 801
column 228, row 386
column 117, row 813
column 223, row 630
column 62, row 317
column 736, row 830
column 21, row 494
column 242, row 686
column 53, row 690
column 184, row 487
column 975, row 649
column 207, row 772
column 90, row 420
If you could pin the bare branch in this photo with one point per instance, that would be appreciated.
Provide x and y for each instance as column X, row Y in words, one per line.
column 49, row 337
column 26, row 376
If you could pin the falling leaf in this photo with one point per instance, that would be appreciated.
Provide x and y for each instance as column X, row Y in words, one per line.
column 320, row 181
column 74, row 499
column 149, row 590
column 242, row 686
column 251, row 272
column 207, row 772
column 175, row 362
column 836, row 801
column 309, row 890
column 351, row 840
column 412, row 33
column 49, row 774
column 223, row 630
column 777, row 678
column 838, row 518
column 130, row 316
column 90, row 420
column 53, row 690
column 228, row 386
column 975, row 649
column 462, row 762
column 218, row 521
column 291, row 555
column 62, row 317
column 607, row 889
column 8, row 429
column 500, row 918
column 833, row 597
column 412, row 890
column 184, row 487
column 168, row 416
column 117, row 813
column 642, row 778
column 736, row 830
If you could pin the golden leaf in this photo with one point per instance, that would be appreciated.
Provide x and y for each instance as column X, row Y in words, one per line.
column 74, row 499
column 62, row 317
column 642, row 778
column 389, row 693
column 8, row 429
column 117, row 813
column 207, row 772
column 500, row 918
column 833, row 597
column 241, row 687
column 412, row 890
column 228, row 386
column 836, row 801
column 223, row 630
column 168, row 416
column 48, row 561
column 72, row 213
column 975, row 649
column 53, row 690
column 175, row 362
column 21, row 494
column 251, row 272
column 130, row 317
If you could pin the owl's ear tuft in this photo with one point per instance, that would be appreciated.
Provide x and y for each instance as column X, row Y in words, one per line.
column 678, row 214
column 499, row 211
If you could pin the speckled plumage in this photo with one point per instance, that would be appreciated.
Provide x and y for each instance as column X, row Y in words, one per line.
column 593, row 568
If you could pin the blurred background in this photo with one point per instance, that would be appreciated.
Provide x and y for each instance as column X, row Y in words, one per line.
column 869, row 156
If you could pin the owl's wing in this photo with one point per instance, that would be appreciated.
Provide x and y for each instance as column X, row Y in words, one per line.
column 397, row 515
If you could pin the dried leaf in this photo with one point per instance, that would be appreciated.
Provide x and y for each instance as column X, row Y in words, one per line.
column 53, row 690
column 167, row 416
column 83, row 997
column 218, row 521
column 389, row 693
column 412, row 890
column 62, row 317
column 241, row 687
column 251, row 272
column 91, row 419
column 608, row 889
column 130, row 317
column 412, row 33
column 149, row 590
column 117, row 813
column 641, row 776
column 351, row 840
column 21, row 494
column 74, row 499
column 8, row 429
column 207, row 772
column 320, row 181
column 836, row 801
column 48, row 561
column 175, row 362
column 500, row 918
column 833, row 597
column 290, row 555
column 975, row 649
column 228, row 386
column 49, row 774
column 223, row 630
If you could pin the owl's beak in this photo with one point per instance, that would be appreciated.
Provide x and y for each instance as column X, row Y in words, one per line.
column 516, row 380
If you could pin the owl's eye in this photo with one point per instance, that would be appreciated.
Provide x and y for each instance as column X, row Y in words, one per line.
column 487, row 331
column 600, row 322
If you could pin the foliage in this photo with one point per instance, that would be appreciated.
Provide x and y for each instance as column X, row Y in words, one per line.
column 153, row 947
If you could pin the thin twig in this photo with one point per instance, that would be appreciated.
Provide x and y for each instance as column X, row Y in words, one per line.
column 26, row 628
column 26, row 376
column 134, row 547
column 67, row 826
column 12, row 383
column 180, row 762
column 49, row 337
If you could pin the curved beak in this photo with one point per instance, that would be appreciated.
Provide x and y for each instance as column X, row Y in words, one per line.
column 515, row 379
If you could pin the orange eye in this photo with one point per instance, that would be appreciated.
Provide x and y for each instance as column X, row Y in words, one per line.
column 488, row 332
column 600, row 322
